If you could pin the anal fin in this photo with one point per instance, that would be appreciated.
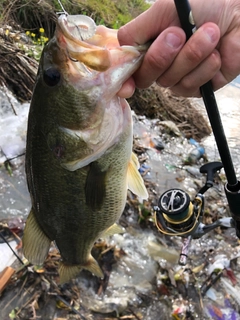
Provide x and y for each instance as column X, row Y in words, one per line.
column 35, row 243
column 93, row 267
column 114, row 229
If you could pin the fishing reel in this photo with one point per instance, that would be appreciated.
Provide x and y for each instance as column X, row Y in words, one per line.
column 177, row 215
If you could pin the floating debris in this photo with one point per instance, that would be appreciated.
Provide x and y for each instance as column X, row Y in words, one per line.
column 196, row 153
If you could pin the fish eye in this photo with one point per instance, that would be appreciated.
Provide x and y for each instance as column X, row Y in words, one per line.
column 51, row 76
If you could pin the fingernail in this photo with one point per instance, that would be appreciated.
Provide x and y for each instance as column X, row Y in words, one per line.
column 211, row 34
column 173, row 41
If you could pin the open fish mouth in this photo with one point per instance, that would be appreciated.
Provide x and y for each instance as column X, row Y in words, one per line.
column 97, row 47
column 72, row 33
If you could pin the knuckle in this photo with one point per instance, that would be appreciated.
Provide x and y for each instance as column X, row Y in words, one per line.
column 194, row 54
column 158, row 62
column 186, row 91
column 215, row 61
column 165, row 81
column 188, row 84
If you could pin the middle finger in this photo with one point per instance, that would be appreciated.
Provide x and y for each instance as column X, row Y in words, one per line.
column 196, row 49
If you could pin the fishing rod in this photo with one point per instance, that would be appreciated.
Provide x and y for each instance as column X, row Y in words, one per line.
column 176, row 214
column 188, row 25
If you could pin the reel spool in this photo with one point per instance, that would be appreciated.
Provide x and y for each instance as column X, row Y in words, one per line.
column 176, row 214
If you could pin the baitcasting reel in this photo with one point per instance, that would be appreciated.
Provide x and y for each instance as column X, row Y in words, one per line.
column 177, row 215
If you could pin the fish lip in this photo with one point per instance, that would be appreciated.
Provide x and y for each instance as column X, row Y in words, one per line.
column 97, row 52
column 87, row 34
column 74, row 34
column 91, row 48
column 84, row 25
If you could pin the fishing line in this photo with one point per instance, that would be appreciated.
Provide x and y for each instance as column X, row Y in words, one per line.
column 70, row 306
column 10, row 159
column 62, row 7
column 4, row 239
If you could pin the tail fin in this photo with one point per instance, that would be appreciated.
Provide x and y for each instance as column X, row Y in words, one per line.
column 67, row 272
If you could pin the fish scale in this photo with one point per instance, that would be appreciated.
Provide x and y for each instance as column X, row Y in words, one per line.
column 79, row 160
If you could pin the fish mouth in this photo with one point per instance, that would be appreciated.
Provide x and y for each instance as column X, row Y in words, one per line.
column 77, row 27
column 97, row 47
column 96, row 65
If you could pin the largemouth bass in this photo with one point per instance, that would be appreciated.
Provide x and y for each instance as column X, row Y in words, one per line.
column 79, row 160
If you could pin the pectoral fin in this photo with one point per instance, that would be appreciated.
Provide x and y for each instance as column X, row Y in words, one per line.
column 95, row 188
column 68, row 272
column 135, row 181
column 35, row 243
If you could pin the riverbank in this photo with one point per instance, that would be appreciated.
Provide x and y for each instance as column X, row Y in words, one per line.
column 142, row 273
column 143, row 280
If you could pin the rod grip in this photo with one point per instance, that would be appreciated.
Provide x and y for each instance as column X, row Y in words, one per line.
column 185, row 16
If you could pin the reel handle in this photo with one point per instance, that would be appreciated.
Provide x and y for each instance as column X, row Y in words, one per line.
column 210, row 169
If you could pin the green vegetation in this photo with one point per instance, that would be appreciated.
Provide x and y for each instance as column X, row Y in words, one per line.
column 25, row 26
column 35, row 50
column 34, row 14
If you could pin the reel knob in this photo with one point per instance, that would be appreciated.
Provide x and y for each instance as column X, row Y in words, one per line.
column 174, row 204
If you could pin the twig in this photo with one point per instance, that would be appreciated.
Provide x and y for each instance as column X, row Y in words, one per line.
column 9, row 100
column 70, row 307
column 134, row 314
column 18, row 293
column 34, row 297
column 34, row 317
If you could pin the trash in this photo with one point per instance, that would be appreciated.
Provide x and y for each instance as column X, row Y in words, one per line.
column 225, row 311
column 196, row 153
column 5, row 277
column 7, row 257
column 220, row 262
column 210, row 281
column 231, row 290
column 144, row 279
column 170, row 127
column 158, row 251
column 9, row 244
column 194, row 171
column 146, row 136
column 145, row 171
column 13, row 131
column 211, row 294
column 157, row 144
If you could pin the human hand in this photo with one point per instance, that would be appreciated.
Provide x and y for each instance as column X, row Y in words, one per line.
column 212, row 53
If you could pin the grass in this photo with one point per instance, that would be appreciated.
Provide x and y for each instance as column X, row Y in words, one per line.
column 19, row 60
column 34, row 14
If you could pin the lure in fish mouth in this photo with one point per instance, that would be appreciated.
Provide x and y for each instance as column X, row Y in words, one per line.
column 79, row 161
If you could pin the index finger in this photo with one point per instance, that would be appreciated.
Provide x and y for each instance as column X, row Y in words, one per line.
column 149, row 24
